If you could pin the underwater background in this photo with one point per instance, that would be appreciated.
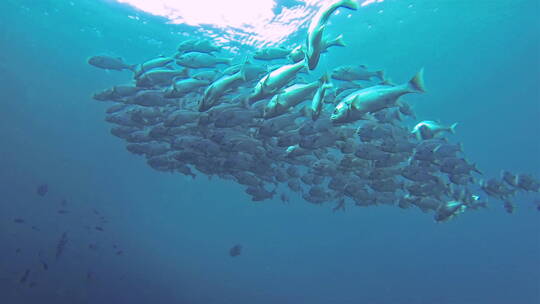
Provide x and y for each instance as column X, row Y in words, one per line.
column 165, row 238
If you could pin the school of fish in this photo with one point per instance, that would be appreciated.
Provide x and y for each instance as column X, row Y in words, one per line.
column 342, row 137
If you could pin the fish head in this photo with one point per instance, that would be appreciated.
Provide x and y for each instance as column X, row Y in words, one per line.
column 341, row 113
column 270, row 110
column 96, row 60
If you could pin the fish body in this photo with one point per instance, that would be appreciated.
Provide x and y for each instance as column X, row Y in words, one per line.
column 160, row 77
column 314, row 43
column 60, row 247
column 289, row 98
column 197, row 45
column 318, row 99
column 196, row 60
column 355, row 72
column 373, row 99
column 151, row 64
column 217, row 89
column 110, row 63
column 274, row 81
column 429, row 129
column 271, row 53
column 235, row 251
column 183, row 87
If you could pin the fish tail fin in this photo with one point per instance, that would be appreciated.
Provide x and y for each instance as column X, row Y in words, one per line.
column 133, row 68
column 305, row 111
column 396, row 116
column 453, row 128
column 416, row 84
column 242, row 73
column 339, row 41
column 184, row 73
column 350, row 4
column 475, row 169
column 380, row 75
column 244, row 102
column 324, row 78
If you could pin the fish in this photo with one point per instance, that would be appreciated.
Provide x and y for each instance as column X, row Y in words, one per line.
column 316, row 29
column 61, row 245
column 448, row 210
column 429, row 129
column 160, row 77
column 289, row 98
column 373, row 99
column 42, row 189
column 159, row 62
column 318, row 99
column 196, row 60
column 355, row 72
column 18, row 220
column 217, row 89
column 25, row 276
column 44, row 265
column 184, row 87
column 273, row 82
column 235, row 250
column 197, row 45
column 110, row 63
column 271, row 53
column 299, row 52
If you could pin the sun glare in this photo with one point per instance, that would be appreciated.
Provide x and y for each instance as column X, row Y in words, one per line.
column 258, row 22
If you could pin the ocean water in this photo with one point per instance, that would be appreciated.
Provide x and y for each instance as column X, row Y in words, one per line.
column 136, row 235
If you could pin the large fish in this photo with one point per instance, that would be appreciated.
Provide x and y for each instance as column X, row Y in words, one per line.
column 290, row 97
column 299, row 52
column 146, row 66
column 274, row 81
column 373, row 99
column 218, row 88
column 318, row 98
column 314, row 43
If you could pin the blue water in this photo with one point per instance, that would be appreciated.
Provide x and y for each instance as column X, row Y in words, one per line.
column 482, row 69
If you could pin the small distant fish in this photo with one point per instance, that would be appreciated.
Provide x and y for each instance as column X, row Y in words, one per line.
column 236, row 250
column 98, row 228
column 32, row 284
column 18, row 220
column 89, row 275
column 42, row 189
column 120, row 252
column 63, row 203
column 25, row 276
column 45, row 265
column 110, row 63
column 35, row 228
column 61, row 245
column 18, row 250
column 62, row 211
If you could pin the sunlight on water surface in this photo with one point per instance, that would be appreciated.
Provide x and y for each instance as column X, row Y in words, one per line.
column 258, row 23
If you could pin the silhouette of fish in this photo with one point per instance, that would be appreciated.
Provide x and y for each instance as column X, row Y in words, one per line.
column 236, row 250
column 42, row 189
column 25, row 276
column 61, row 245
